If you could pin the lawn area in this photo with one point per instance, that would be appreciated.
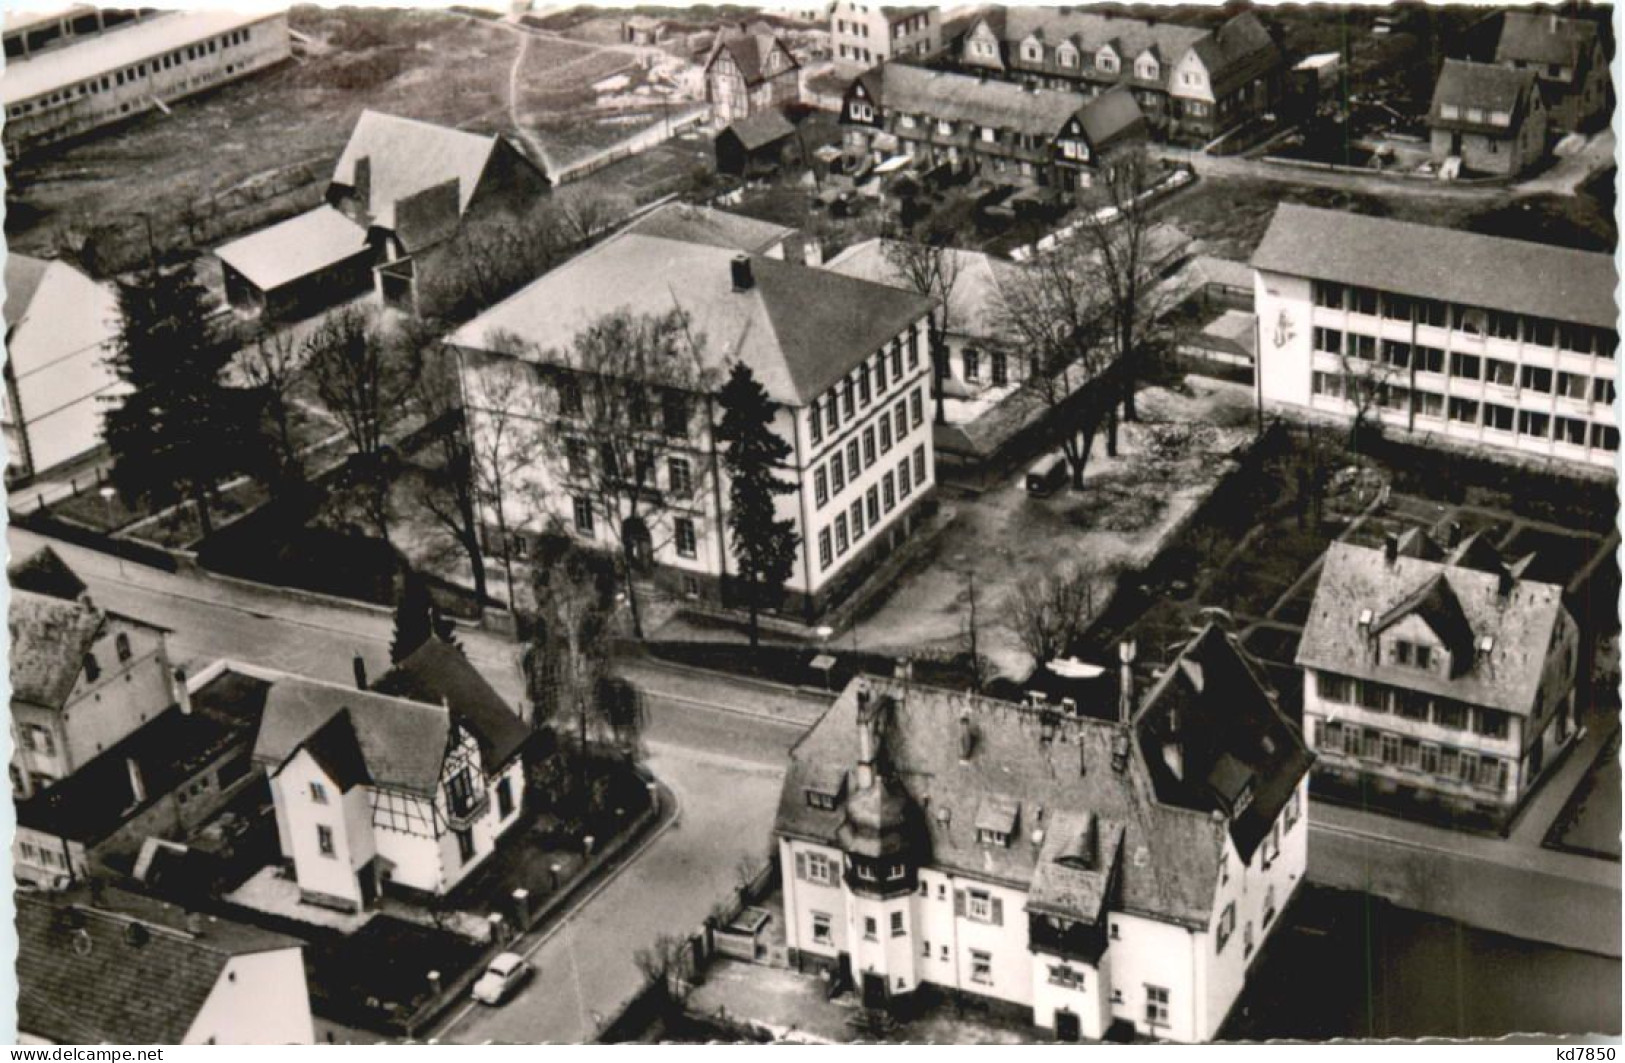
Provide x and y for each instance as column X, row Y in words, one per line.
column 376, row 977
column 262, row 149
column 1590, row 822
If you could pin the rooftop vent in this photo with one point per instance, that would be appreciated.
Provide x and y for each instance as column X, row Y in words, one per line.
column 136, row 935
column 967, row 738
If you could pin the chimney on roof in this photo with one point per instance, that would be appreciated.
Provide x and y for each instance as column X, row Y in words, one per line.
column 194, row 924
column 1390, row 548
column 360, row 666
column 1125, row 684
column 967, row 737
column 98, row 891
column 743, row 279
column 866, row 737
column 363, row 182
column 1554, row 21
column 1452, row 534
column 138, row 787
column 183, row 696
column 1504, row 581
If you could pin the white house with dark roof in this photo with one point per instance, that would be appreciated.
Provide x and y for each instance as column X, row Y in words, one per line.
column 1503, row 346
column 1189, row 81
column 1567, row 56
column 843, row 360
column 1438, row 672
column 1490, row 117
column 61, row 329
column 409, row 790
column 82, row 679
column 118, row 968
column 1076, row 872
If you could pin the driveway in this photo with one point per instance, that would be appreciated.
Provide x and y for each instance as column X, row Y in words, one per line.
column 1572, row 169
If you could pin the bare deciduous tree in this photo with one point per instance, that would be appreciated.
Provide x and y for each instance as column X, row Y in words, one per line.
column 932, row 269
column 489, row 260
column 632, row 399
column 1128, row 248
column 584, row 212
column 359, row 381
column 1052, row 309
column 501, row 399
column 666, row 966
column 1365, row 384
column 1049, row 616
column 272, row 365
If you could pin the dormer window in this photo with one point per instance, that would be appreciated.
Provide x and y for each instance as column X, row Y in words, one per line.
column 1147, row 68
column 1067, row 56
column 1106, row 61
column 896, row 872
column 993, row 837
column 945, row 128
column 1475, row 114
column 1449, row 110
column 906, row 121
column 825, row 802
column 1500, row 118
column 865, row 872
column 1032, row 51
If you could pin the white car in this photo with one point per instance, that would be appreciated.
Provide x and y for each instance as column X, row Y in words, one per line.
column 506, row 974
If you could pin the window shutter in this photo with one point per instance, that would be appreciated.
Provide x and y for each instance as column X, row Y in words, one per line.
column 998, row 911
column 959, row 903
column 801, row 865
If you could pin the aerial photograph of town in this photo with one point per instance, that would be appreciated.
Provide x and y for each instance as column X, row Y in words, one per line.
column 826, row 524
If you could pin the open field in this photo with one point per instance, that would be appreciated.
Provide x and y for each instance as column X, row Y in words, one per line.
column 262, row 149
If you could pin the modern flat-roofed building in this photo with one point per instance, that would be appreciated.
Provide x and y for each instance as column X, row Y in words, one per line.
column 1075, row 873
column 122, row 72
column 1503, row 345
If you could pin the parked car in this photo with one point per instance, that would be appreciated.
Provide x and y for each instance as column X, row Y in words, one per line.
column 503, row 978
column 1047, row 476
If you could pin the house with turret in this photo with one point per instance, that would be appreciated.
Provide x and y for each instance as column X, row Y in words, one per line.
column 1084, row 874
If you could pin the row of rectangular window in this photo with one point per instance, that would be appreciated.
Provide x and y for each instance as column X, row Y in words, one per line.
column 1474, row 321
column 861, row 452
column 1412, row 705
column 846, row 398
column 1577, row 386
column 1574, row 431
column 106, row 83
column 685, row 537
column 1386, row 747
column 866, row 512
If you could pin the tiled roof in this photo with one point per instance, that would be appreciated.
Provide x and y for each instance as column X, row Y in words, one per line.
column 1484, row 86
column 902, row 89
column 714, row 228
column 1518, row 276
column 1170, row 855
column 978, row 276
column 49, row 640
column 44, row 572
column 1521, row 623
column 120, row 972
column 1088, row 32
column 403, row 743
column 407, row 157
column 1236, row 53
column 1543, row 38
column 23, row 276
column 761, row 129
column 304, row 244
column 1215, row 704
column 439, row 674
column 1111, row 116
column 749, row 52
column 799, row 329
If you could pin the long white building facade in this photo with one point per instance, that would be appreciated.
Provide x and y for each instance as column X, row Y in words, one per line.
column 1074, row 872
column 843, row 361
column 1505, row 346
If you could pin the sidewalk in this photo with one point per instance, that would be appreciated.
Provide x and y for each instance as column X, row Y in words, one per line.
column 747, row 697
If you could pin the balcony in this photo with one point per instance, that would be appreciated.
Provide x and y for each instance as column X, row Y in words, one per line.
column 1084, row 942
column 462, row 814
